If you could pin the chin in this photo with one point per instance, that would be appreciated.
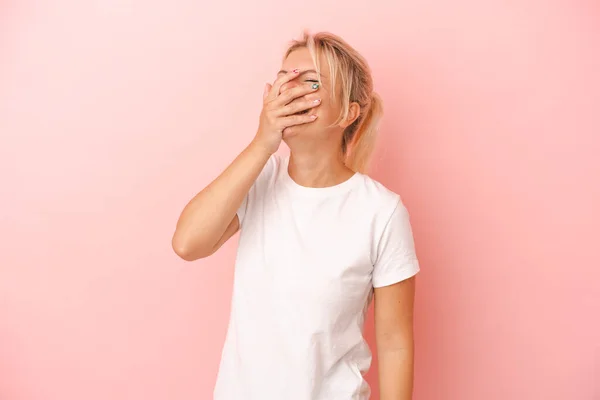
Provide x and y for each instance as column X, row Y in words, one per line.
column 303, row 130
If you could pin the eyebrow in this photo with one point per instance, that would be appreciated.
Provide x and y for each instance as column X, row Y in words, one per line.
column 283, row 71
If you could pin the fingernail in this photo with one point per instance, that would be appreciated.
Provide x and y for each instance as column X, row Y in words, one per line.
column 317, row 101
column 313, row 116
column 315, row 86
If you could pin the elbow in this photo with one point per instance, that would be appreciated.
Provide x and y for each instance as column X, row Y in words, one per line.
column 185, row 250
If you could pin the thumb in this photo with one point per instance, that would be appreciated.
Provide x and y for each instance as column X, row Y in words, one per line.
column 266, row 91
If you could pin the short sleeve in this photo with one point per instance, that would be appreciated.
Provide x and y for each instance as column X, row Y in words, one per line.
column 396, row 255
column 259, row 188
column 241, row 212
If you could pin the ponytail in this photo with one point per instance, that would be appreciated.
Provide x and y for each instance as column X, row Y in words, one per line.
column 359, row 139
column 352, row 71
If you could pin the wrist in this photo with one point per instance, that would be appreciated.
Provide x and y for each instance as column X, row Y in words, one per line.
column 260, row 149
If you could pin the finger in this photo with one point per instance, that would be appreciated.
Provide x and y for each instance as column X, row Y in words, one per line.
column 291, row 94
column 293, row 120
column 266, row 91
column 280, row 81
column 291, row 130
column 297, row 106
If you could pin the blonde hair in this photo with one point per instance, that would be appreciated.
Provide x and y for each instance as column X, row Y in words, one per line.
column 348, row 67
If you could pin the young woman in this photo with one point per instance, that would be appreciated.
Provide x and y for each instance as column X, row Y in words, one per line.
column 319, row 240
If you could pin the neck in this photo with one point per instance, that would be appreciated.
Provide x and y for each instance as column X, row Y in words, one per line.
column 318, row 169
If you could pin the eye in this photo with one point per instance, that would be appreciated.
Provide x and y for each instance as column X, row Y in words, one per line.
column 312, row 80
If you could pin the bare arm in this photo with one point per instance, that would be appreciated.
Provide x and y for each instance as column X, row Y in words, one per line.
column 394, row 335
column 210, row 218
column 212, row 212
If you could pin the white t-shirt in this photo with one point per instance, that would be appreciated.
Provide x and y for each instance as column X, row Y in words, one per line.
column 307, row 262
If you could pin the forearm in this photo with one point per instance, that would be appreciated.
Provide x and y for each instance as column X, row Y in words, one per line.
column 396, row 373
column 206, row 217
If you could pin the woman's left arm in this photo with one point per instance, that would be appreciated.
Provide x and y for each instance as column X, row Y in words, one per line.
column 394, row 306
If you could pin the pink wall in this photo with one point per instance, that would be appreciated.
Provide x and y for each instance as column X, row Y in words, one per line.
column 113, row 113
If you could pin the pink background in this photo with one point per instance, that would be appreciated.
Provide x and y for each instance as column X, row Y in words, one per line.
column 113, row 113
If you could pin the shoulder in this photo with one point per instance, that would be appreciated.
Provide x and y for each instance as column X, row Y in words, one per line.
column 274, row 164
column 382, row 200
column 270, row 170
column 389, row 228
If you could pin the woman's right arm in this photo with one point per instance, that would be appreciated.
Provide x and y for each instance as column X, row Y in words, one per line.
column 210, row 218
